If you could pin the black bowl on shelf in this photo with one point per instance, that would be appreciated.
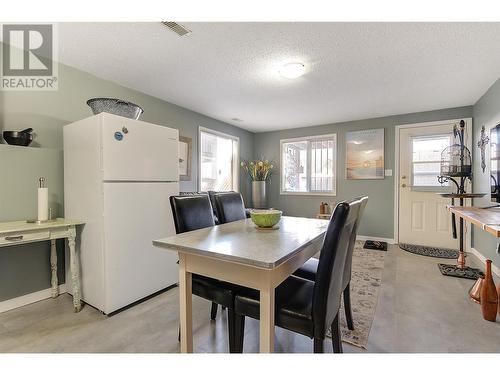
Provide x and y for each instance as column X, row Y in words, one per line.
column 18, row 138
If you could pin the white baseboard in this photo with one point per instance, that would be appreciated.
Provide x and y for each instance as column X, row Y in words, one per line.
column 382, row 239
column 482, row 259
column 14, row 303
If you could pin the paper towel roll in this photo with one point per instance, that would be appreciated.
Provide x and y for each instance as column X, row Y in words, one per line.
column 43, row 204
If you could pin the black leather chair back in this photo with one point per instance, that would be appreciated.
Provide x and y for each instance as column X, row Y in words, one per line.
column 348, row 262
column 230, row 207
column 329, row 276
column 191, row 212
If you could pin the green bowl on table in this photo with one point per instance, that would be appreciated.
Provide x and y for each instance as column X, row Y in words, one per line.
column 265, row 218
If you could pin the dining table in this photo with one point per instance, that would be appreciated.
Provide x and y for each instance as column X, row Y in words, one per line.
column 241, row 253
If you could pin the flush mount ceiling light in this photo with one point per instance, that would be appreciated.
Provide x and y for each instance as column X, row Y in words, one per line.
column 292, row 70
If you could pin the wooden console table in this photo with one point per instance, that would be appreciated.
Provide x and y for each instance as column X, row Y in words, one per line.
column 488, row 219
column 21, row 232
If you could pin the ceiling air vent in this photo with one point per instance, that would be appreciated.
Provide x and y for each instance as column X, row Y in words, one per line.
column 177, row 28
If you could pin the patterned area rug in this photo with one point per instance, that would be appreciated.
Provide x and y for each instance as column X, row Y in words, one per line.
column 367, row 269
column 436, row 252
column 464, row 273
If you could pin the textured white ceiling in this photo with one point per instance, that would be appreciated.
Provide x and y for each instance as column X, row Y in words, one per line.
column 353, row 70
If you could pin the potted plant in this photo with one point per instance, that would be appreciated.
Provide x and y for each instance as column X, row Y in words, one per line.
column 259, row 172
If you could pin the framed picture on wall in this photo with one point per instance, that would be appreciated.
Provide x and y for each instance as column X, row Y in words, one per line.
column 185, row 149
column 365, row 154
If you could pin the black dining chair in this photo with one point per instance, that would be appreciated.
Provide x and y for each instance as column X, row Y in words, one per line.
column 303, row 306
column 229, row 206
column 309, row 269
column 193, row 212
column 211, row 194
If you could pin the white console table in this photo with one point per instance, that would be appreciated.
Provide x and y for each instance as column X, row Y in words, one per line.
column 21, row 232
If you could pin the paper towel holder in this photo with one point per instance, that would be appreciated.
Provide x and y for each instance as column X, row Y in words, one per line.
column 41, row 184
column 35, row 221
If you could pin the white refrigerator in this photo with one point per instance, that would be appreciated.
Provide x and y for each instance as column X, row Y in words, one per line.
column 118, row 176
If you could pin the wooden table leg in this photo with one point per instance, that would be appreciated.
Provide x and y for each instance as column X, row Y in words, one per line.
column 75, row 271
column 186, row 302
column 53, row 269
column 267, row 320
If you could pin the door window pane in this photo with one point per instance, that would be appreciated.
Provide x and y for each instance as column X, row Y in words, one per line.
column 426, row 159
column 218, row 162
column 429, row 148
column 425, row 174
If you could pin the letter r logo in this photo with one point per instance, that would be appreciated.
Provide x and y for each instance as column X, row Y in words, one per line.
column 27, row 50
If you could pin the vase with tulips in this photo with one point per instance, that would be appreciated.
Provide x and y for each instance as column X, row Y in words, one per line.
column 259, row 172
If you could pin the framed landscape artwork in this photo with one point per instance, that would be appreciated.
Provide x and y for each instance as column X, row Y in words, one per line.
column 365, row 154
column 185, row 145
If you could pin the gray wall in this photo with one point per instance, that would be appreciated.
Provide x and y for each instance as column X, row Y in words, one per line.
column 487, row 113
column 48, row 111
column 378, row 220
column 26, row 269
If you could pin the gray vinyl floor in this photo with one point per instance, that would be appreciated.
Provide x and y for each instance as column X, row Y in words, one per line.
column 418, row 311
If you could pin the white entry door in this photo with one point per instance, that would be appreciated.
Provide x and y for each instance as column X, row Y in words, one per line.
column 423, row 218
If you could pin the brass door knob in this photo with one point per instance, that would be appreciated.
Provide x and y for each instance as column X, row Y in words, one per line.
column 403, row 185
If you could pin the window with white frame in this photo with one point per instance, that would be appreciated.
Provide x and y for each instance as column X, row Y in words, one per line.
column 309, row 165
column 426, row 159
column 218, row 161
